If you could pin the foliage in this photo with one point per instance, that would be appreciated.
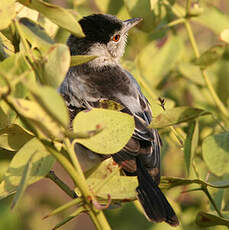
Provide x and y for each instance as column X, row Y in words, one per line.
column 170, row 56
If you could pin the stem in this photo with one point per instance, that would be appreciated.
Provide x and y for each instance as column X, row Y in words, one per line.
column 188, row 6
column 209, row 85
column 52, row 176
column 79, row 180
column 211, row 200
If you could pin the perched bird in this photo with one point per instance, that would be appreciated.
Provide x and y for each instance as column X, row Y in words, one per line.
column 105, row 79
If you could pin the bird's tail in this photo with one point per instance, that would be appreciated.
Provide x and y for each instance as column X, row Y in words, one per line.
column 153, row 201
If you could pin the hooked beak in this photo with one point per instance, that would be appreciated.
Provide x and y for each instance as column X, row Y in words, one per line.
column 128, row 24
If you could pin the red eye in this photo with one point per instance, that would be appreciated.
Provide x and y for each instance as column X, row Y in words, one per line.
column 116, row 37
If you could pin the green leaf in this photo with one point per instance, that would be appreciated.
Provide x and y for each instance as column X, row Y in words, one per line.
column 80, row 59
column 7, row 13
column 67, row 219
column 216, row 153
column 110, row 104
column 38, row 120
column 56, row 65
column 210, row 56
column 204, row 219
column 106, row 179
column 56, row 14
column 41, row 163
column 191, row 144
column 23, row 183
column 15, row 68
column 224, row 35
column 51, row 101
column 153, row 3
column 13, row 137
column 192, row 72
column 142, row 8
column 117, row 127
column 170, row 182
column 155, row 63
column 214, row 19
column 176, row 115
column 35, row 34
column 3, row 119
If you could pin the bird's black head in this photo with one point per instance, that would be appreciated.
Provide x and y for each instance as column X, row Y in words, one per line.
column 100, row 27
column 105, row 37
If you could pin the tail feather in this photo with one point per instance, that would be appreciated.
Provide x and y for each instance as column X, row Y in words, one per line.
column 153, row 201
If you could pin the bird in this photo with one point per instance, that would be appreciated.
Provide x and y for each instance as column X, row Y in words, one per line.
column 104, row 78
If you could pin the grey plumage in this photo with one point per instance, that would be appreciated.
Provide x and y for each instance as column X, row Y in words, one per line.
column 104, row 78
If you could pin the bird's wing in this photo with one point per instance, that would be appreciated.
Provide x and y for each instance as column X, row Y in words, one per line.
column 85, row 91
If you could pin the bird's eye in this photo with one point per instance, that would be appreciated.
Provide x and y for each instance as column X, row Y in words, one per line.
column 116, row 37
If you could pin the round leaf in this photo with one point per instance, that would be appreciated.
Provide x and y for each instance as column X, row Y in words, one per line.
column 216, row 153
column 117, row 127
column 41, row 163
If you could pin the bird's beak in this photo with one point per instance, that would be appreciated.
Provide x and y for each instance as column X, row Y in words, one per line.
column 128, row 24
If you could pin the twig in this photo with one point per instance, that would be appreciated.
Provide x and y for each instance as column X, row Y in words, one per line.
column 52, row 176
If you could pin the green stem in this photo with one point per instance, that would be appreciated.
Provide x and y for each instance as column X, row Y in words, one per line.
column 209, row 85
column 211, row 200
column 188, row 6
column 79, row 180
column 175, row 22
column 52, row 176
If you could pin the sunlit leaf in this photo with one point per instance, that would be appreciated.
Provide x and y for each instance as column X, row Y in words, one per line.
column 191, row 144
column 224, row 36
column 7, row 13
column 56, row 14
column 210, row 56
column 42, row 124
column 216, row 153
column 176, row 115
column 80, row 59
column 117, row 129
column 13, row 137
column 155, row 63
column 153, row 4
column 16, row 67
column 51, row 101
column 23, row 183
column 41, row 163
column 35, row 34
column 106, row 179
column 56, row 65
column 204, row 219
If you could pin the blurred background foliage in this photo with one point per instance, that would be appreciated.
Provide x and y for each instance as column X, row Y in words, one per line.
column 159, row 54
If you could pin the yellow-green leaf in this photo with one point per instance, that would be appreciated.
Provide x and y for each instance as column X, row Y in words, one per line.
column 216, row 153
column 224, row 36
column 191, row 144
column 7, row 13
column 204, row 219
column 13, row 137
column 56, row 65
column 42, row 124
column 176, row 115
column 56, row 14
column 80, row 59
column 51, row 101
column 35, row 34
column 41, row 163
column 117, row 127
column 210, row 56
